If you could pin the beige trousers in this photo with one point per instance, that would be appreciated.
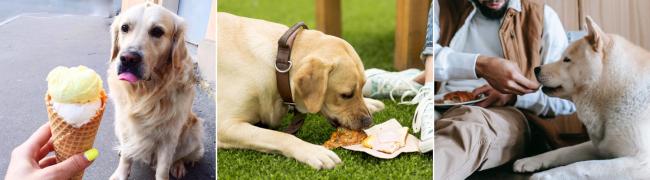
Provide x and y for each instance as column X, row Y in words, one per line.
column 471, row 138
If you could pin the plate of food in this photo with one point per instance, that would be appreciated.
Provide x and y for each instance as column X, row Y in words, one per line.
column 448, row 100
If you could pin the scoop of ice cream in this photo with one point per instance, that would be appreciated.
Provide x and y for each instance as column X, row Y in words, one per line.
column 75, row 93
column 74, row 85
column 77, row 114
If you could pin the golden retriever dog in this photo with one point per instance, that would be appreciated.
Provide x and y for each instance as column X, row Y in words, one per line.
column 608, row 78
column 327, row 77
column 151, row 83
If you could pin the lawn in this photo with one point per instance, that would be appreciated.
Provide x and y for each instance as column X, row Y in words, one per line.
column 368, row 25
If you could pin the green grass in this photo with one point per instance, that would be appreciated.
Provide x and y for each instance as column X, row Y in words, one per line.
column 369, row 25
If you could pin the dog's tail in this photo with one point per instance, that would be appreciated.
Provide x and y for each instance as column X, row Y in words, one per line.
column 203, row 84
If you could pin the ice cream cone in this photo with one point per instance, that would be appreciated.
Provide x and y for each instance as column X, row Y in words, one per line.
column 69, row 140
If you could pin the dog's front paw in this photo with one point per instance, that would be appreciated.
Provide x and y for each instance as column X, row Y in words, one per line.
column 122, row 172
column 178, row 170
column 555, row 174
column 318, row 157
column 530, row 164
column 542, row 176
column 118, row 176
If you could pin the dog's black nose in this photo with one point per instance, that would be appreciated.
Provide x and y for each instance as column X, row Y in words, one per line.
column 537, row 70
column 131, row 57
column 366, row 121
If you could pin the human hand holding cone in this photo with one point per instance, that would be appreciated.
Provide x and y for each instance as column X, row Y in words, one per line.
column 75, row 103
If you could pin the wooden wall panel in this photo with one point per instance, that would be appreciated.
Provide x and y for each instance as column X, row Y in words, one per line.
column 628, row 18
column 614, row 17
column 643, row 22
column 568, row 11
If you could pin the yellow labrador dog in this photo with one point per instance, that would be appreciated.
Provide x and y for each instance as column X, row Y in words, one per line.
column 608, row 78
column 327, row 77
column 151, row 83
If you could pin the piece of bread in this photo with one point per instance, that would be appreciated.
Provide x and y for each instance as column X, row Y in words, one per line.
column 368, row 141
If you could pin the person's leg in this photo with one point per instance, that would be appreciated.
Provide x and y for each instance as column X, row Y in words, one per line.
column 421, row 78
column 427, row 53
column 428, row 70
column 427, row 75
column 383, row 84
column 470, row 138
column 425, row 113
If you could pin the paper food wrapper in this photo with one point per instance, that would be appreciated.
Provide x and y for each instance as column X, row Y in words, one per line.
column 411, row 144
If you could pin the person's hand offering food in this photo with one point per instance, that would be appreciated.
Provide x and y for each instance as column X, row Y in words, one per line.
column 504, row 76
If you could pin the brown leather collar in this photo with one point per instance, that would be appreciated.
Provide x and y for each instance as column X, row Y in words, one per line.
column 283, row 65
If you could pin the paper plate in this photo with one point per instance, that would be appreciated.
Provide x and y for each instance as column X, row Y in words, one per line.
column 411, row 144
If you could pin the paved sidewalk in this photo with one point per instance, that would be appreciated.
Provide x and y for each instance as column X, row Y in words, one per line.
column 11, row 8
column 30, row 46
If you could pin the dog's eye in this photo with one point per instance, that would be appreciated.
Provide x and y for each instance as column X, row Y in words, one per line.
column 347, row 95
column 125, row 28
column 566, row 60
column 156, row 32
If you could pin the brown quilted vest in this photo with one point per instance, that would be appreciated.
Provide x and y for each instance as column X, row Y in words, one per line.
column 520, row 33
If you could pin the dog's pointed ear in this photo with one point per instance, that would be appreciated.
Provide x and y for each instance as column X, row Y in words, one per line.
column 115, row 45
column 596, row 36
column 178, row 50
column 310, row 81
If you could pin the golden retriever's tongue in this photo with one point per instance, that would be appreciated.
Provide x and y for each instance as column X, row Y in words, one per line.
column 127, row 76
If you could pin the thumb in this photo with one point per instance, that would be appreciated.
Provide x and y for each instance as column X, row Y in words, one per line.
column 481, row 90
column 72, row 165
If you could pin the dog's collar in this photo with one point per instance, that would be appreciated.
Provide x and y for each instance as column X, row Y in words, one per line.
column 283, row 62
column 283, row 65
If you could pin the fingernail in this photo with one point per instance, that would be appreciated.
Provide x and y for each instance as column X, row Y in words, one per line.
column 91, row 154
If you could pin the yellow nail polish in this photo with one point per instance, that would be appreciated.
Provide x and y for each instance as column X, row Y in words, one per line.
column 91, row 154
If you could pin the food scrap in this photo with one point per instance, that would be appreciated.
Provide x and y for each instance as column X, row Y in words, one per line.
column 344, row 137
column 456, row 97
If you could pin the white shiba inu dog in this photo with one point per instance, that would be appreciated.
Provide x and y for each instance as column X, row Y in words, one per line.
column 608, row 78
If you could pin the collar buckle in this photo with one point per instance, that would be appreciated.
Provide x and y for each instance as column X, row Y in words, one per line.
column 284, row 70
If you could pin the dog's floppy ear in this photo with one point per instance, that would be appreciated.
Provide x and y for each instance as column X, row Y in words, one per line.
column 178, row 51
column 596, row 36
column 115, row 45
column 310, row 82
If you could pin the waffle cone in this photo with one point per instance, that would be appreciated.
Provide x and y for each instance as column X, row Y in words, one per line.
column 69, row 140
